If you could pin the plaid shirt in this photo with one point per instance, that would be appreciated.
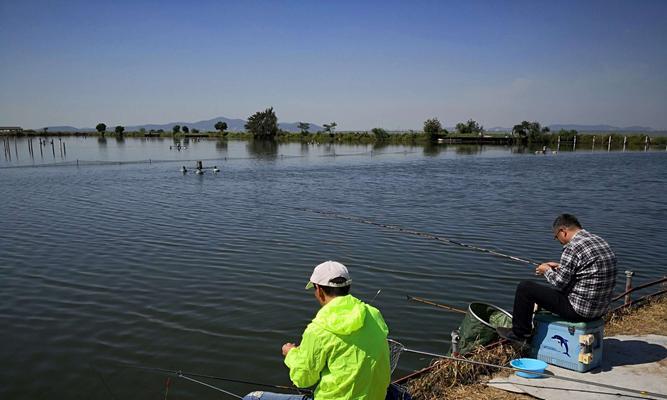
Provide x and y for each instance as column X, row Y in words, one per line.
column 587, row 274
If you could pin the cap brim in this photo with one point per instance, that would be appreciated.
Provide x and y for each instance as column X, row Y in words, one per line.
column 310, row 285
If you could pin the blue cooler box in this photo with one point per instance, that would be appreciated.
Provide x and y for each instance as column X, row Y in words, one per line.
column 573, row 345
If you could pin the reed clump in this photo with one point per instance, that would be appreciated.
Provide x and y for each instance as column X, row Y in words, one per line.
column 455, row 379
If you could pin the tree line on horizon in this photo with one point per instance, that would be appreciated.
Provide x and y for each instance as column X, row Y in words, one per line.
column 263, row 125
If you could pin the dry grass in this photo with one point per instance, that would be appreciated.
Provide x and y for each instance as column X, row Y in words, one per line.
column 458, row 380
column 651, row 318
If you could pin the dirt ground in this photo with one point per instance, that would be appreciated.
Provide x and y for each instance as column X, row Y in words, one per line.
column 451, row 380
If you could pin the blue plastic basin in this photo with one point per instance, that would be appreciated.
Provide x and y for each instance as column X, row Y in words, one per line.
column 529, row 364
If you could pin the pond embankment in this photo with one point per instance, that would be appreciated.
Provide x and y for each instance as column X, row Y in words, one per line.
column 456, row 380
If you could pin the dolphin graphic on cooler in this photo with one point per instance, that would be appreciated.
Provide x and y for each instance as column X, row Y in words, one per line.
column 563, row 343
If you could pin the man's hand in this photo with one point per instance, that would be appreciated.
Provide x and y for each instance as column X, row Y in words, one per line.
column 287, row 347
column 542, row 268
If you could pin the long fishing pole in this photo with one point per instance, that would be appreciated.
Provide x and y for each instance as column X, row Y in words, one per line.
column 541, row 374
column 444, row 306
column 219, row 378
column 417, row 233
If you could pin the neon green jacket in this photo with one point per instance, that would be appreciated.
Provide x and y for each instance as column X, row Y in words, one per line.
column 345, row 349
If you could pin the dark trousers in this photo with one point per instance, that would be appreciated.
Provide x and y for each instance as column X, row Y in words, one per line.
column 529, row 293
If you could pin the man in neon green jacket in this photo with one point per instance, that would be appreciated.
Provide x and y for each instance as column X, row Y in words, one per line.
column 343, row 350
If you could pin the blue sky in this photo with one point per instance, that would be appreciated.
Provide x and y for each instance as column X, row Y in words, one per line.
column 361, row 64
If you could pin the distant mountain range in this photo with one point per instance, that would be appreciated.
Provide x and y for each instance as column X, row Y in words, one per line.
column 204, row 126
column 584, row 128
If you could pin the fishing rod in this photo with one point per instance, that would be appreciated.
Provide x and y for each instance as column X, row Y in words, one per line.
column 644, row 393
column 182, row 374
column 376, row 295
column 444, row 306
column 417, row 233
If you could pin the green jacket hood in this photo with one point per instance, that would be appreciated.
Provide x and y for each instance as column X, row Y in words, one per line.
column 342, row 315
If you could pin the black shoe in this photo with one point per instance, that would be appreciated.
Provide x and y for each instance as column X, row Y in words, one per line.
column 508, row 333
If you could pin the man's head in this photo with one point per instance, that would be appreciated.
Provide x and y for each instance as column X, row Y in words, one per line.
column 565, row 226
column 330, row 279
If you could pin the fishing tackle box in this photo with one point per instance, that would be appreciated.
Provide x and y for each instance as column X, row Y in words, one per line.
column 576, row 346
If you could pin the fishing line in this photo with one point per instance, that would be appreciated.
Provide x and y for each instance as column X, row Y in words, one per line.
column 180, row 375
column 416, row 233
column 104, row 382
column 400, row 348
column 174, row 372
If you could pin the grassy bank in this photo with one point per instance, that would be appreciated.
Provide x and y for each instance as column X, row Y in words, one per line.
column 456, row 380
column 598, row 140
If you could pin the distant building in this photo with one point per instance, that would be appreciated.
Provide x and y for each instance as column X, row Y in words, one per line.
column 10, row 130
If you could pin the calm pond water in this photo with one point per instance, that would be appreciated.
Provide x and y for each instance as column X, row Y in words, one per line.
column 138, row 263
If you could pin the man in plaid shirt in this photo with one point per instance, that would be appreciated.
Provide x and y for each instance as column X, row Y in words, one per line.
column 582, row 282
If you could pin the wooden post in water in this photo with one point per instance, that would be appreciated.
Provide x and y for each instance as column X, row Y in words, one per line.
column 609, row 144
column 574, row 145
column 53, row 149
column 628, row 286
column 558, row 146
column 65, row 149
column 646, row 143
column 593, row 143
column 625, row 141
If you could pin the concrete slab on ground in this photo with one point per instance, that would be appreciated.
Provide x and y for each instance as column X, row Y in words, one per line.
column 638, row 363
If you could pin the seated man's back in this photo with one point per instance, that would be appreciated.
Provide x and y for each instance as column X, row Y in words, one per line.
column 345, row 349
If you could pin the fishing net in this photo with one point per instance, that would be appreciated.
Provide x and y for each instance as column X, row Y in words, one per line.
column 395, row 391
column 395, row 350
column 478, row 327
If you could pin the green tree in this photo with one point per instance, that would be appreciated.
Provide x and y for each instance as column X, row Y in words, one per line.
column 101, row 128
column 380, row 134
column 194, row 130
column 263, row 124
column 330, row 128
column 176, row 129
column 530, row 131
column 143, row 131
column 470, row 127
column 304, row 127
column 119, row 129
column 186, row 129
column 221, row 126
column 432, row 128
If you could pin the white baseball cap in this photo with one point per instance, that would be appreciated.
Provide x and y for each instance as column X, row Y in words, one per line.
column 324, row 273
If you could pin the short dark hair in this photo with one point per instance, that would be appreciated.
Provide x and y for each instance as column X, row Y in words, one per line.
column 566, row 221
column 335, row 291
